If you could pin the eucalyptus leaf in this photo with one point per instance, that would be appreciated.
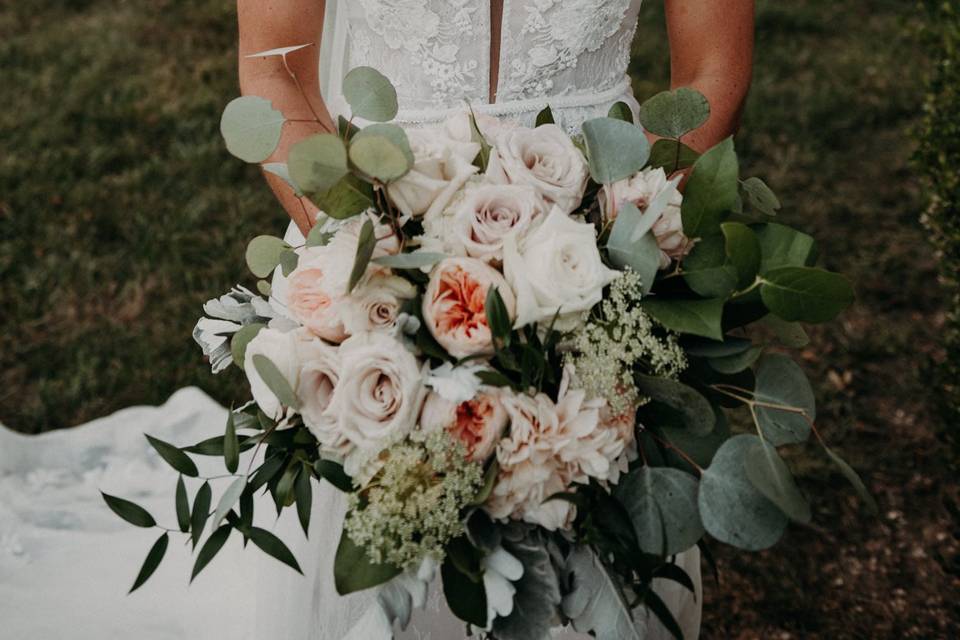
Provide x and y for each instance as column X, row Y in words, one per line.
column 672, row 155
column 263, row 254
column 349, row 197
column 854, row 479
column 711, row 190
column 317, row 237
column 210, row 549
column 743, row 251
column 790, row 334
column 264, row 288
column 707, row 270
column 760, row 197
column 672, row 114
column 366, row 243
column 289, row 260
column 317, row 163
column 770, row 474
column 152, row 561
column 282, row 171
column 662, row 501
column 732, row 509
column 379, row 157
column 274, row 547
column 240, row 340
column 129, row 511
column 229, row 498
column 781, row 246
column 628, row 249
column 596, row 604
column 174, row 456
column 700, row 449
column 413, row 260
column 731, row 346
column 251, row 127
column 393, row 133
column 353, row 571
column 615, row 149
column 621, row 111
column 806, row 294
column 781, row 381
column 275, row 381
column 697, row 317
column 370, row 94
column 697, row 413
column 730, row 365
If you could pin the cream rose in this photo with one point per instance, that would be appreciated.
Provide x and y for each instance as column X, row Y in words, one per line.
column 441, row 166
column 488, row 213
column 478, row 423
column 454, row 305
column 316, row 291
column 377, row 398
column 546, row 159
column 643, row 189
column 556, row 268
column 319, row 374
column 281, row 349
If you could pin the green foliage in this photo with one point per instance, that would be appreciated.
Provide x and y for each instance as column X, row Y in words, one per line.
column 317, row 163
column 631, row 244
column 352, row 571
column 370, row 94
column 251, row 127
column 366, row 243
column 711, row 191
column 615, row 149
column 662, row 503
column 938, row 158
column 671, row 114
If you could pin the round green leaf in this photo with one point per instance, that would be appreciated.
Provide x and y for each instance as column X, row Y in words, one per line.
column 378, row 157
column 251, row 127
column 370, row 94
column 662, row 501
column 770, row 474
column 349, row 197
column 730, row 365
column 781, row 246
column 615, row 149
column 708, row 272
column 391, row 132
column 317, row 163
column 672, row 114
column 759, row 196
column 697, row 317
column 781, row 381
column 132, row 513
column 413, row 260
column 263, row 254
column 731, row 508
column 743, row 251
column 806, row 294
column 282, row 171
column 240, row 340
column 711, row 191
column 697, row 413
column 352, row 571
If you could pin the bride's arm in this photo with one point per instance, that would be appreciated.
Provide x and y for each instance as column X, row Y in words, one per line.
column 711, row 50
column 269, row 24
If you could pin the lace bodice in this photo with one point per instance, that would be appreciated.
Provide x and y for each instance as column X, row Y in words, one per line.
column 570, row 54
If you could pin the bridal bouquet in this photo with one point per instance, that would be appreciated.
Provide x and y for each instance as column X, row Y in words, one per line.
column 521, row 355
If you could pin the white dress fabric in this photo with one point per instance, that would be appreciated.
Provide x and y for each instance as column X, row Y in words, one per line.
column 66, row 561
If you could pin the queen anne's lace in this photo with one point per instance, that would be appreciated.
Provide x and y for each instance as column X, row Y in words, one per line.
column 570, row 54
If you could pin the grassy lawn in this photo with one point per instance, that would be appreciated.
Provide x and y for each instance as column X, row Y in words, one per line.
column 120, row 213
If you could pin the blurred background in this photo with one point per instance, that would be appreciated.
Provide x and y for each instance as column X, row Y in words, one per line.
column 121, row 213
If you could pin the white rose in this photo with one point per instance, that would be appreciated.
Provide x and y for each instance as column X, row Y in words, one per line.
column 642, row 189
column 546, row 159
column 377, row 398
column 441, row 166
column 488, row 213
column 281, row 349
column 478, row 423
column 454, row 305
column 557, row 267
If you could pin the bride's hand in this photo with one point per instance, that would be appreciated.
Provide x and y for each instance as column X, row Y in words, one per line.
column 269, row 24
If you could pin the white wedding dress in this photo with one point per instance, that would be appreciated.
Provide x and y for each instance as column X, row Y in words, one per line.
column 66, row 561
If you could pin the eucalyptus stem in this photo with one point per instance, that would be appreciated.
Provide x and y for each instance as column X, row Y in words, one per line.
column 303, row 93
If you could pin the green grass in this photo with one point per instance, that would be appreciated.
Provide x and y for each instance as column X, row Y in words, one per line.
column 120, row 213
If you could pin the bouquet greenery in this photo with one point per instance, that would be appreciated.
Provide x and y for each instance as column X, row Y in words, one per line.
column 533, row 363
